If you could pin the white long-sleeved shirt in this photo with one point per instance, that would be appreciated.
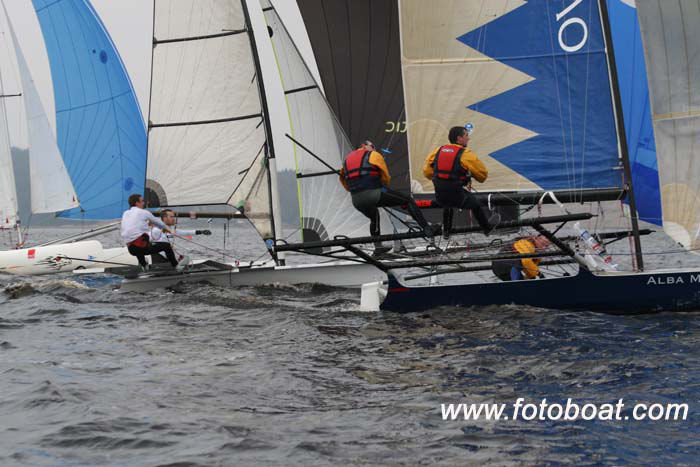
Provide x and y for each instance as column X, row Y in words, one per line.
column 158, row 236
column 135, row 223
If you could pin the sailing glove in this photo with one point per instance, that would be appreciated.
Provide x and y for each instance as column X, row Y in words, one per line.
column 202, row 232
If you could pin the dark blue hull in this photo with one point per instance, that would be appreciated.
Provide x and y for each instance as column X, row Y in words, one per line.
column 619, row 294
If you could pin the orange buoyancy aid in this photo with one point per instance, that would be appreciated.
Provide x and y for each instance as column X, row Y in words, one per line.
column 447, row 165
column 359, row 173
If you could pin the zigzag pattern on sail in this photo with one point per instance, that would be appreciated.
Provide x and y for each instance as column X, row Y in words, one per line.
column 533, row 79
column 568, row 104
column 99, row 126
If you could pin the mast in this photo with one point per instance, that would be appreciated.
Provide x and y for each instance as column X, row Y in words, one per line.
column 271, row 162
column 622, row 134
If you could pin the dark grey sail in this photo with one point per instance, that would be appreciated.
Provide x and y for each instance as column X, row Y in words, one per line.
column 357, row 50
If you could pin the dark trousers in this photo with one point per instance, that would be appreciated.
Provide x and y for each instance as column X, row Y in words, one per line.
column 153, row 249
column 452, row 196
column 507, row 269
column 368, row 203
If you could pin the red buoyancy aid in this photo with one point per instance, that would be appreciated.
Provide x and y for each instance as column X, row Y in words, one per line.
column 359, row 173
column 447, row 165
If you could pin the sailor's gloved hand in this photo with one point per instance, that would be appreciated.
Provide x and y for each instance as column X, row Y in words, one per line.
column 202, row 232
column 540, row 275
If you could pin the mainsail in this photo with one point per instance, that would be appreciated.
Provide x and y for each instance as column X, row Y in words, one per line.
column 99, row 126
column 357, row 49
column 532, row 77
column 207, row 130
column 672, row 47
column 634, row 96
column 8, row 195
column 324, row 209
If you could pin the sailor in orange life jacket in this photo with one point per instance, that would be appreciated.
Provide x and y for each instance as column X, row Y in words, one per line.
column 366, row 176
column 519, row 269
column 456, row 165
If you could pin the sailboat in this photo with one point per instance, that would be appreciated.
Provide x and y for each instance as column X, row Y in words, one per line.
column 98, row 156
column 236, row 119
column 540, row 82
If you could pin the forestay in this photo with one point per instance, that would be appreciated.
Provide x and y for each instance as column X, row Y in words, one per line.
column 532, row 77
column 672, row 47
column 206, row 131
column 99, row 126
column 324, row 207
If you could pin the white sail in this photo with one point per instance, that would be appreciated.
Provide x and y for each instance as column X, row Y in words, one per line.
column 51, row 187
column 324, row 207
column 671, row 40
column 8, row 194
column 206, row 125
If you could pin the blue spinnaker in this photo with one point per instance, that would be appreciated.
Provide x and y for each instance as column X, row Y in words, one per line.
column 99, row 126
column 567, row 103
column 634, row 93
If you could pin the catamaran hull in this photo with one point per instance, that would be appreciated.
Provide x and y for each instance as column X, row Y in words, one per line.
column 338, row 274
column 65, row 257
column 615, row 293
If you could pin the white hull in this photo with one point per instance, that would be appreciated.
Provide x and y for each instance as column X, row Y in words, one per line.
column 339, row 274
column 64, row 257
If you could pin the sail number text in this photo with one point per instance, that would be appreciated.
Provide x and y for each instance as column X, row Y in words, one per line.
column 571, row 22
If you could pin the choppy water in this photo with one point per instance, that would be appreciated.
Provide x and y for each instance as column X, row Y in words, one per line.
column 297, row 376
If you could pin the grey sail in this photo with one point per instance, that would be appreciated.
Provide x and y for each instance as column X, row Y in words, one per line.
column 671, row 40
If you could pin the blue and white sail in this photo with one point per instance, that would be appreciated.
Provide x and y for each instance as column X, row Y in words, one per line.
column 100, row 130
column 671, row 39
column 532, row 77
column 636, row 109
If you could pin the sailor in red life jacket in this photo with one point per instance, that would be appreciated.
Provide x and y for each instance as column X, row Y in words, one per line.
column 366, row 176
column 135, row 229
column 451, row 168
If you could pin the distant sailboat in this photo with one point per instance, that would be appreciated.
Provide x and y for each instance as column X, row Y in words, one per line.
column 99, row 126
column 51, row 187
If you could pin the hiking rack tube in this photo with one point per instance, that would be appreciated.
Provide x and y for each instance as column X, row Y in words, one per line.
column 346, row 241
column 479, row 268
column 529, row 198
column 476, row 259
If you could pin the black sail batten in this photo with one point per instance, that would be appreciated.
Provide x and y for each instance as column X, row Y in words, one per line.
column 204, row 122
column 621, row 132
column 269, row 146
column 199, row 38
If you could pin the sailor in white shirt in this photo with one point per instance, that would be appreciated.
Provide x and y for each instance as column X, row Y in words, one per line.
column 159, row 236
column 135, row 233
